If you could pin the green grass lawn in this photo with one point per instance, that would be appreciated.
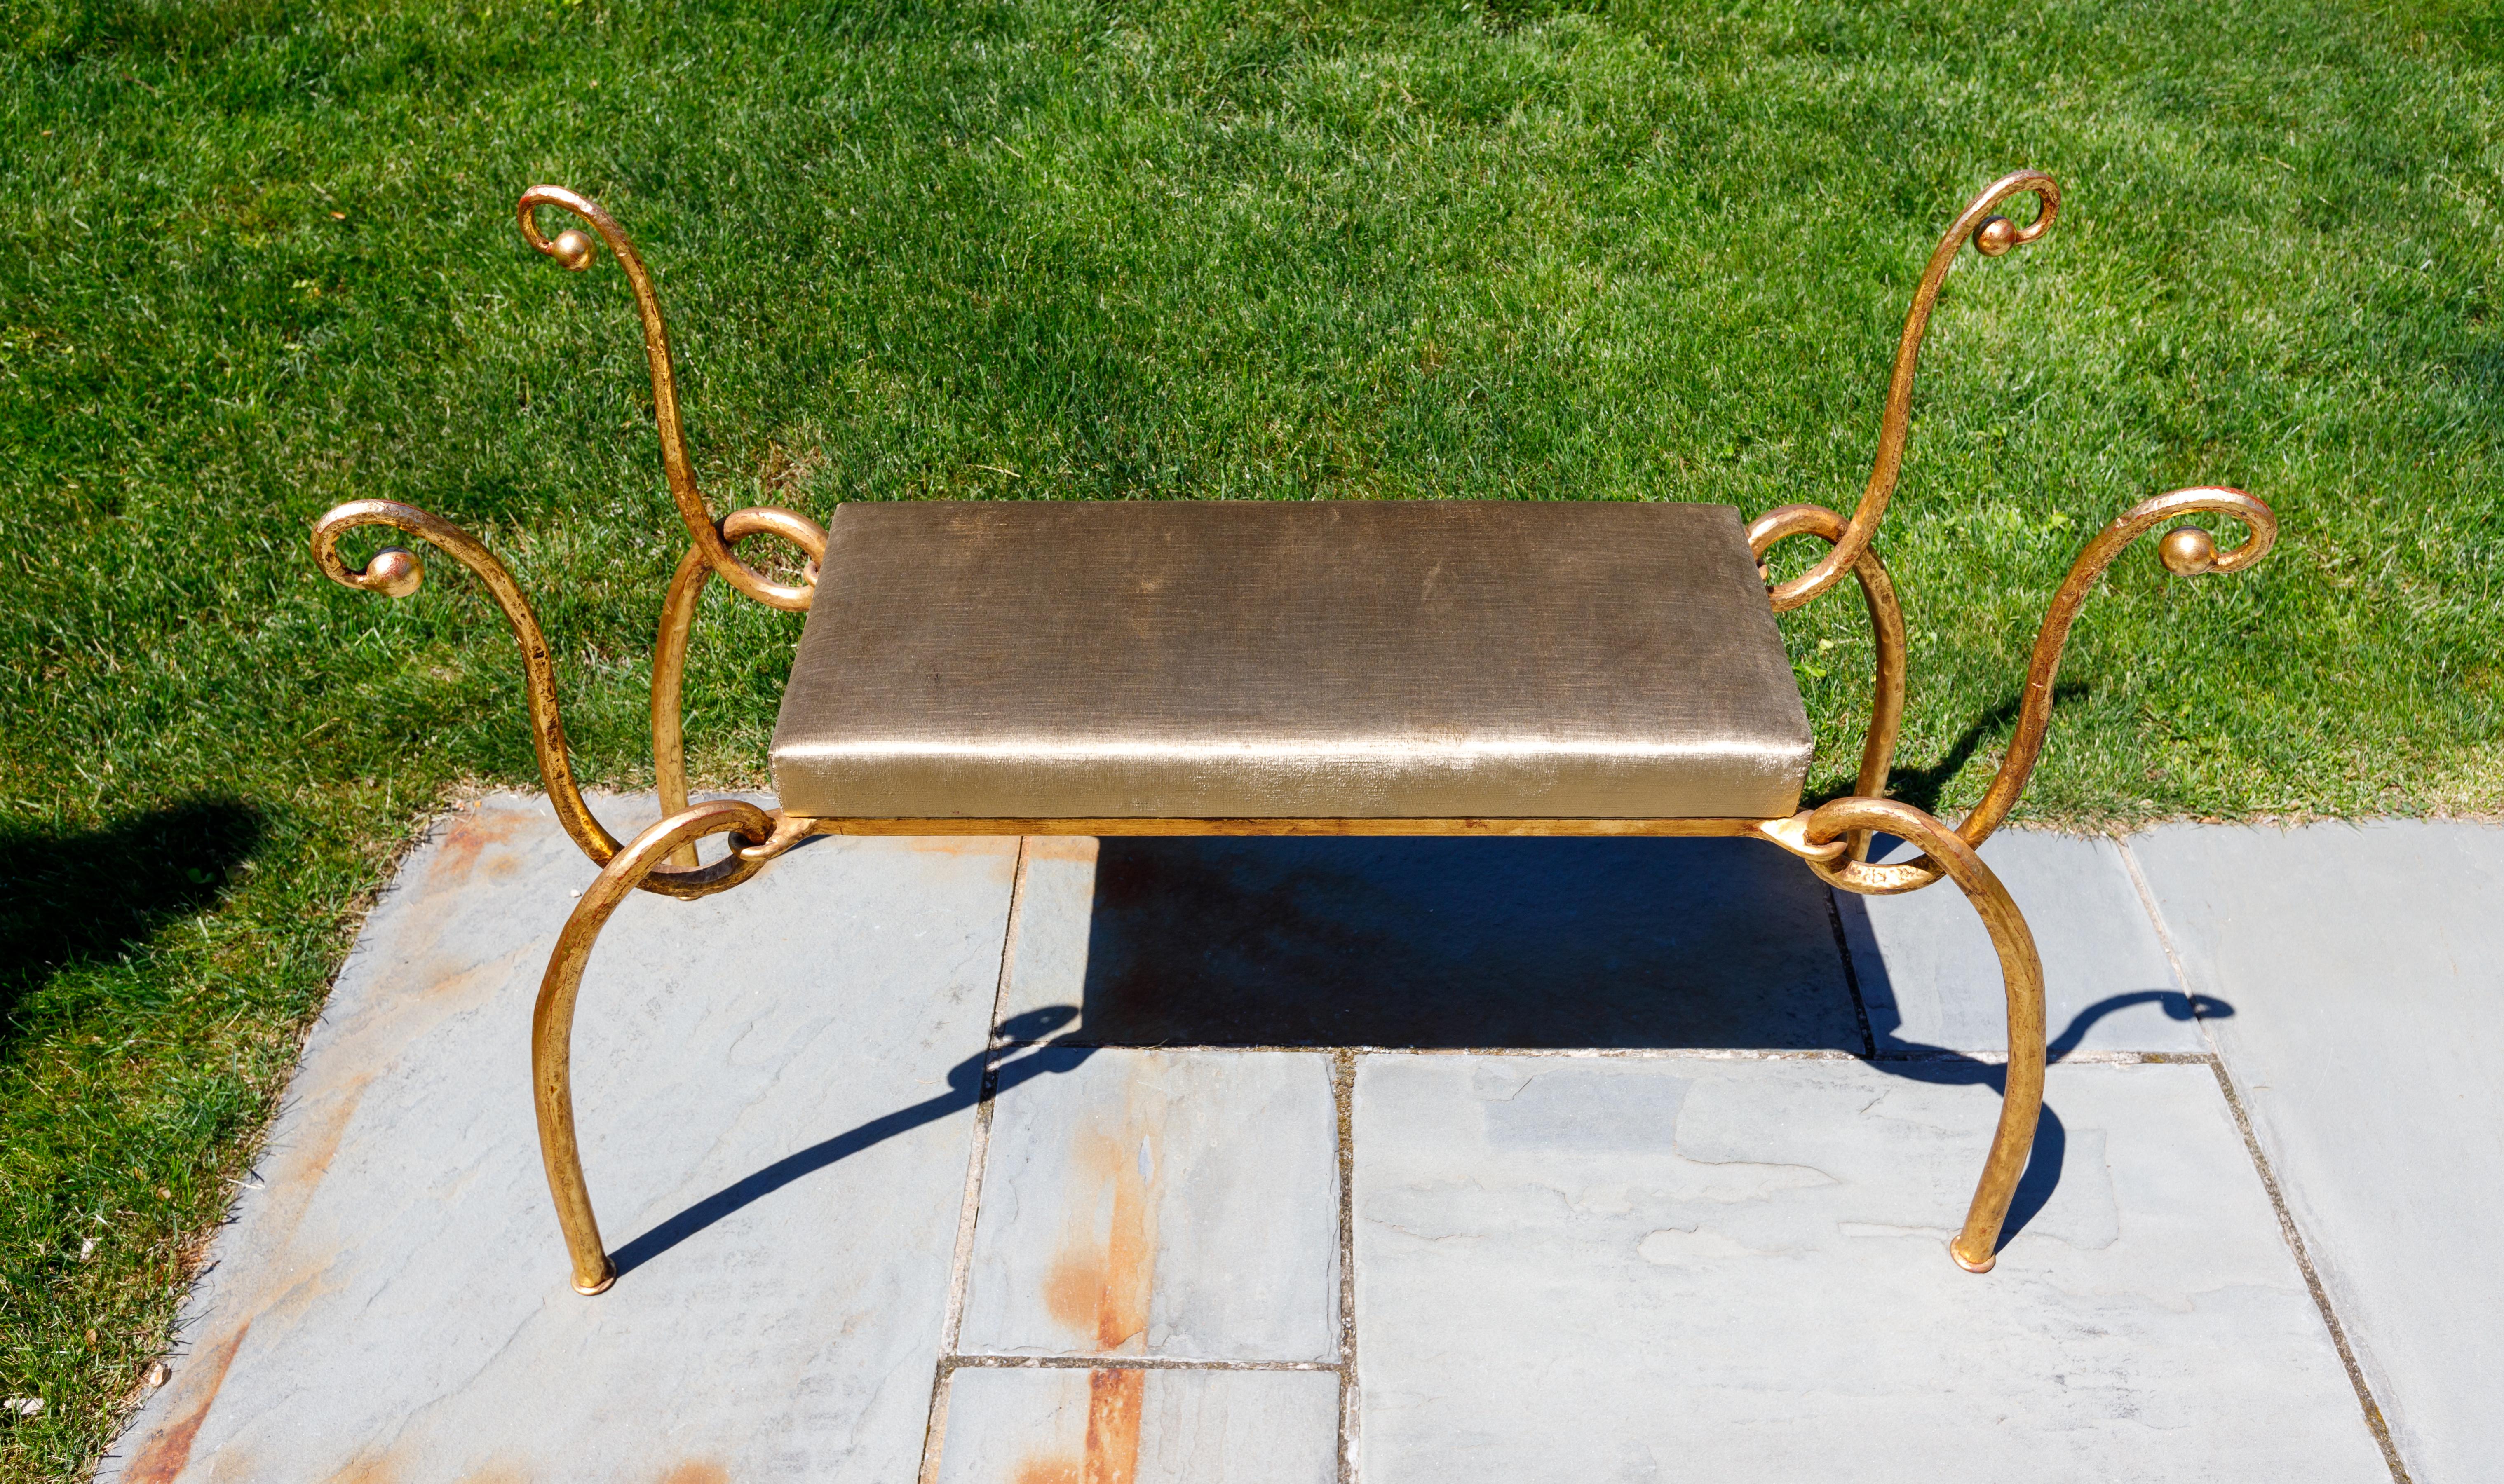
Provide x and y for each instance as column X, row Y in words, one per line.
column 258, row 257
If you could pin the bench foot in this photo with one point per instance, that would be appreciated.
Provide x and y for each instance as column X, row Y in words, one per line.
column 2021, row 974
column 758, row 838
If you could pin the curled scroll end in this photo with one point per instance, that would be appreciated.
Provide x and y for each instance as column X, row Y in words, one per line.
column 2188, row 551
column 2262, row 522
column 1994, row 234
column 396, row 571
column 572, row 247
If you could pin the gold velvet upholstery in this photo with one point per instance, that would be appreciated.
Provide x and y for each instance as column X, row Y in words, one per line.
column 1276, row 660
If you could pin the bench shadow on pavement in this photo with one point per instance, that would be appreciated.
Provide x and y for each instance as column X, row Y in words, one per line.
column 1530, row 944
column 1513, row 943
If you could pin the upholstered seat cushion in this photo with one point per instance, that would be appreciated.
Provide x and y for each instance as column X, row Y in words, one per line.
column 1277, row 660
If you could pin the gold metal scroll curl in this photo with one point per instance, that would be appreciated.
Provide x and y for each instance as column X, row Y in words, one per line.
column 398, row 572
column 1887, row 636
column 1991, row 234
column 2043, row 669
column 574, row 251
column 669, row 652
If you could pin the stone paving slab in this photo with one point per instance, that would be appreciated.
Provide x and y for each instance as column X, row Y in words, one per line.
column 1930, row 979
column 1683, row 1268
column 776, row 1091
column 2365, row 963
column 1075, row 1426
column 1721, row 1261
column 1431, row 943
column 1176, row 1204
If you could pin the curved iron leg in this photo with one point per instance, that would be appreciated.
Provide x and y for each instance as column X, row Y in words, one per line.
column 2021, row 974
column 552, row 1018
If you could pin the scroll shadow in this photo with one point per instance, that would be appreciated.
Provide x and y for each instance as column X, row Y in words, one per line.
column 1916, row 1061
column 1007, row 1065
column 1921, row 788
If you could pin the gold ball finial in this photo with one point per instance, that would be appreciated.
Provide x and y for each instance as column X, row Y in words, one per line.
column 572, row 248
column 2188, row 551
column 1995, row 236
column 395, row 572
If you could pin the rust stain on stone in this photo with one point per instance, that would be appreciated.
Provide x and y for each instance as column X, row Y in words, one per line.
column 473, row 831
column 1113, row 1425
column 1111, row 1455
column 1080, row 848
column 366, row 1469
column 297, row 1173
column 962, row 845
column 319, row 1144
column 697, row 1471
column 1098, row 1285
column 440, row 980
column 169, row 1450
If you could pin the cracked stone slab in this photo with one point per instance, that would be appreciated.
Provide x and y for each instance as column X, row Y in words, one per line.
column 2366, row 964
column 1694, row 1267
column 1435, row 943
column 1075, row 1426
column 1930, row 980
column 1176, row 1204
column 775, row 1091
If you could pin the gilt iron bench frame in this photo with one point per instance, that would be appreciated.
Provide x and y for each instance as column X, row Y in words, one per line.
column 1832, row 839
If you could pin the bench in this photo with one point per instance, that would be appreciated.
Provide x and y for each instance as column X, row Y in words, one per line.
column 1259, row 668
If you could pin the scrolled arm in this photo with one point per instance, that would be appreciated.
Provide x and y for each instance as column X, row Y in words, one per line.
column 2187, row 552
column 1992, row 235
column 574, row 251
column 2188, row 558
column 398, row 572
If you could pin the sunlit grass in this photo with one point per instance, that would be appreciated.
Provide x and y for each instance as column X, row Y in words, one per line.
column 255, row 257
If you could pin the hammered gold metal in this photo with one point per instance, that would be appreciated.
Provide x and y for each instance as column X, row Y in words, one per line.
column 1991, row 233
column 2021, row 975
column 678, row 620
column 1832, row 839
column 2035, row 716
column 1887, row 636
column 398, row 572
column 2035, row 711
column 573, row 250
column 552, row 1018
